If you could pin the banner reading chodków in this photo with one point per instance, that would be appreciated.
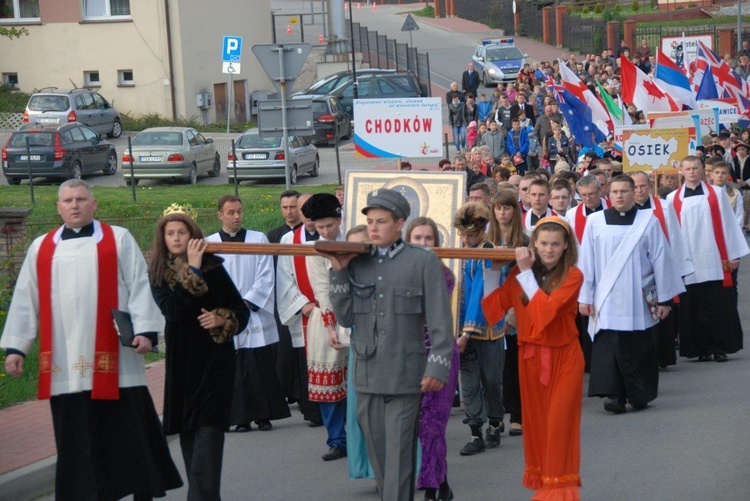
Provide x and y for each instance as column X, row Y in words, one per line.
column 398, row 127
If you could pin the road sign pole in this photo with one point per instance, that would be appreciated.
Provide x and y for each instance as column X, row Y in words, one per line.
column 284, row 128
column 230, row 101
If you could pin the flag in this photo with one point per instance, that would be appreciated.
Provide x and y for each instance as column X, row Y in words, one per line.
column 575, row 86
column 612, row 107
column 707, row 88
column 578, row 115
column 723, row 75
column 626, row 118
column 640, row 90
column 671, row 78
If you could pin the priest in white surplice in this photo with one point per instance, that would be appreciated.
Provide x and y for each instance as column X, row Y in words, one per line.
column 708, row 323
column 295, row 302
column 109, row 439
column 667, row 328
column 623, row 250
column 257, row 391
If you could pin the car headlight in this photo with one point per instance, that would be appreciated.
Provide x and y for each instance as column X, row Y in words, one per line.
column 493, row 71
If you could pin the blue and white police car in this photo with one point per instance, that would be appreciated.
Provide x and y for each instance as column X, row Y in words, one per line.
column 498, row 61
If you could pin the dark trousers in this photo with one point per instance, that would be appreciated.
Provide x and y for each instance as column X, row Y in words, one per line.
column 511, row 388
column 203, row 451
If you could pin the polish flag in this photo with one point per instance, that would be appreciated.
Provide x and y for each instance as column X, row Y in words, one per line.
column 640, row 90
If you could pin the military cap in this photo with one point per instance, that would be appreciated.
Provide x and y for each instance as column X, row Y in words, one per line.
column 390, row 200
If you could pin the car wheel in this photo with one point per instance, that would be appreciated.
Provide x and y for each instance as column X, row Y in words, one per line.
column 116, row 129
column 293, row 174
column 77, row 170
column 111, row 167
column 14, row 180
column 131, row 181
column 216, row 170
column 316, row 168
column 193, row 176
column 348, row 134
column 484, row 79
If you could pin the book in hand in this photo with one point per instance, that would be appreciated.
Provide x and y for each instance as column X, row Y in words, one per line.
column 649, row 293
column 125, row 330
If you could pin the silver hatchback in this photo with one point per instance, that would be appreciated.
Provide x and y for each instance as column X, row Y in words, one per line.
column 263, row 158
column 56, row 107
column 170, row 153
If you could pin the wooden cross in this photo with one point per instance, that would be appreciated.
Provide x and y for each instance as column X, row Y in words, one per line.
column 82, row 366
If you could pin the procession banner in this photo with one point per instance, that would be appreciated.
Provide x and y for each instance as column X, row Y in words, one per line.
column 673, row 46
column 619, row 129
column 398, row 127
column 705, row 121
column 656, row 149
column 729, row 112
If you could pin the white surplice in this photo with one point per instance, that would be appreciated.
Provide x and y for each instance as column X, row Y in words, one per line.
column 625, row 308
column 677, row 243
column 289, row 298
column 253, row 275
column 74, row 300
column 698, row 232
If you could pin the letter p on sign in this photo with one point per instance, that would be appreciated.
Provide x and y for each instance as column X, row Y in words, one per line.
column 231, row 49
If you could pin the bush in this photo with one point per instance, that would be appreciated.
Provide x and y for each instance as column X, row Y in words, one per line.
column 598, row 8
column 12, row 100
column 585, row 9
column 635, row 6
column 618, row 7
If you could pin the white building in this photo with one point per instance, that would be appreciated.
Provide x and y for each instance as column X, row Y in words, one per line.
column 144, row 56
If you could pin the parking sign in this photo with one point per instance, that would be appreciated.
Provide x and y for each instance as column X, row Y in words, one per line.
column 232, row 49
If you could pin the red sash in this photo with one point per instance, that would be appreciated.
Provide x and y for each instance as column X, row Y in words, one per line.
column 106, row 349
column 580, row 222
column 608, row 203
column 303, row 280
column 713, row 205
column 659, row 213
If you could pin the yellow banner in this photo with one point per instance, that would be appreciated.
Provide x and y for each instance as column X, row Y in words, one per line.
column 655, row 149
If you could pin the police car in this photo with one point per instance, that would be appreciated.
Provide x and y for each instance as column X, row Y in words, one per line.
column 498, row 61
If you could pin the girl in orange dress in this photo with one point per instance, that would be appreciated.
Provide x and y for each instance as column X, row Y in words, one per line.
column 543, row 290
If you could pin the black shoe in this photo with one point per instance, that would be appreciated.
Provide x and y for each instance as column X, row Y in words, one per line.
column 720, row 357
column 614, row 406
column 243, row 428
column 334, row 453
column 515, row 430
column 264, row 425
column 705, row 358
column 430, row 495
column 315, row 423
column 475, row 446
column 445, row 493
column 639, row 406
column 492, row 439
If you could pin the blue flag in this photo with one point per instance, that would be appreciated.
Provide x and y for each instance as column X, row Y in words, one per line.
column 579, row 118
column 707, row 89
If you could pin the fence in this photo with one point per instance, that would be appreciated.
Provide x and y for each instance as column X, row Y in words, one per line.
column 653, row 34
column 584, row 35
column 495, row 13
column 300, row 28
column 379, row 51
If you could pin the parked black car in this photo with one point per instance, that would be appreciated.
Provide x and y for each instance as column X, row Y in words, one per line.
column 57, row 151
column 328, row 118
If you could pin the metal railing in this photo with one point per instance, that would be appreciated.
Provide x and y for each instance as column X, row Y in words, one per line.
column 584, row 35
column 653, row 34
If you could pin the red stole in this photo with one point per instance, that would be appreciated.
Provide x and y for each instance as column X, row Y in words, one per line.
column 303, row 280
column 713, row 205
column 107, row 345
column 580, row 221
column 659, row 213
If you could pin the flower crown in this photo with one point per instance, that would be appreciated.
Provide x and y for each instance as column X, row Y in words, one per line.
column 186, row 209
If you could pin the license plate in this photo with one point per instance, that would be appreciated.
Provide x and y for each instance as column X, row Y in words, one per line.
column 48, row 120
column 150, row 159
column 34, row 158
column 256, row 156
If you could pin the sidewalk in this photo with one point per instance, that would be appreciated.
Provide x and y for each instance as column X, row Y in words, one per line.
column 27, row 461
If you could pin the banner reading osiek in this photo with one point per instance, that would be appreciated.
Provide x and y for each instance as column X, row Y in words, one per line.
column 402, row 127
column 655, row 149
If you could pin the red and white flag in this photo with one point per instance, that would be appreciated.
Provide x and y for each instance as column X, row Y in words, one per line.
column 639, row 89
column 575, row 86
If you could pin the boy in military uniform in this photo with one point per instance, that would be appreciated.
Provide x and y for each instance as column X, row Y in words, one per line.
column 388, row 296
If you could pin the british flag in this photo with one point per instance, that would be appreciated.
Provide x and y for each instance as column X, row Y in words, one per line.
column 728, row 83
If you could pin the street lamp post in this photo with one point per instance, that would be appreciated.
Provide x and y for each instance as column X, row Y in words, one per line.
column 351, row 32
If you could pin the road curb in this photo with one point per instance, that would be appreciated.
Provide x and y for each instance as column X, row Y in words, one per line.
column 29, row 482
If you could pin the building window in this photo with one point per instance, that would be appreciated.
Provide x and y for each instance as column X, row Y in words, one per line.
column 19, row 10
column 125, row 77
column 105, row 9
column 91, row 78
column 10, row 79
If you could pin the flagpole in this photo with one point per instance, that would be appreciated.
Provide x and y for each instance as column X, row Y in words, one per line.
column 739, row 28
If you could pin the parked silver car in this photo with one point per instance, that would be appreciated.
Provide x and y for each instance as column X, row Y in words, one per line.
column 259, row 158
column 53, row 106
column 170, row 153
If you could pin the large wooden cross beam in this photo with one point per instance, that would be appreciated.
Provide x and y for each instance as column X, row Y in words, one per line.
column 494, row 254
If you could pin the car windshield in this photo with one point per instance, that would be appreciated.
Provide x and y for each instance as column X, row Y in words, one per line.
column 158, row 138
column 49, row 103
column 503, row 54
column 327, row 84
column 35, row 139
column 253, row 140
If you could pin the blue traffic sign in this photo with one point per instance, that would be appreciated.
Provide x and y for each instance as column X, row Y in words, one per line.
column 232, row 49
